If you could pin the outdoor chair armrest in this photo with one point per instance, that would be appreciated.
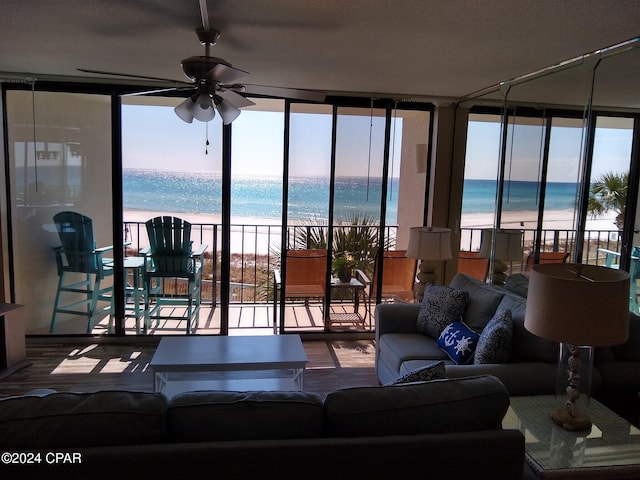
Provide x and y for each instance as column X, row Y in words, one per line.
column 610, row 257
column 200, row 250
column 606, row 250
column 363, row 276
column 104, row 249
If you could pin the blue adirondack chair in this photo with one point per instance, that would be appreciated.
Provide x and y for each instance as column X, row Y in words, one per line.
column 172, row 272
column 81, row 271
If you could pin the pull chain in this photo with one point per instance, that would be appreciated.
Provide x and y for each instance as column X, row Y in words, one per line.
column 35, row 144
column 206, row 145
column 369, row 159
column 393, row 146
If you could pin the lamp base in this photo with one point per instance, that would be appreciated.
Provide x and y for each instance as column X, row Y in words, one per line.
column 563, row 418
column 578, row 376
column 426, row 274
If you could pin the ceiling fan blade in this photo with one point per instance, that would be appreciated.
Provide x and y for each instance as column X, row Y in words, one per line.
column 160, row 90
column 294, row 93
column 234, row 98
column 222, row 73
column 130, row 75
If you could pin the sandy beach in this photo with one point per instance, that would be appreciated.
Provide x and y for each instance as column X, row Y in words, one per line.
column 259, row 235
column 553, row 220
column 248, row 234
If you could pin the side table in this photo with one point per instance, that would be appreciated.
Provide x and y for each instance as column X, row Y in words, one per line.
column 358, row 289
column 611, row 449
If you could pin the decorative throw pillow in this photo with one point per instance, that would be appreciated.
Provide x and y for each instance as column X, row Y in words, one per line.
column 433, row 371
column 494, row 345
column 518, row 284
column 440, row 306
column 459, row 342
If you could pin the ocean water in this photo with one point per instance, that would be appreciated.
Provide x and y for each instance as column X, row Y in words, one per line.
column 261, row 197
column 255, row 197
column 479, row 196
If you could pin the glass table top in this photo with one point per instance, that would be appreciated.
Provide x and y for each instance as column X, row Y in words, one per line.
column 612, row 441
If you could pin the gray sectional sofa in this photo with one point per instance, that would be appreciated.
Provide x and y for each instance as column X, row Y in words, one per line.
column 532, row 364
column 424, row 429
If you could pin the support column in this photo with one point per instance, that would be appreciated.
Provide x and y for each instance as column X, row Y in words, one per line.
column 444, row 204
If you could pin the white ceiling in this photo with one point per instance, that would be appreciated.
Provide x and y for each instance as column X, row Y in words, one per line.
column 403, row 48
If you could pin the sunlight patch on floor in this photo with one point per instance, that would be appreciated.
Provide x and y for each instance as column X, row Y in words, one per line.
column 81, row 365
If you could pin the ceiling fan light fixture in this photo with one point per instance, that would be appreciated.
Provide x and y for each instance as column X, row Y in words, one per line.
column 184, row 110
column 203, row 100
column 203, row 108
column 199, row 107
column 227, row 111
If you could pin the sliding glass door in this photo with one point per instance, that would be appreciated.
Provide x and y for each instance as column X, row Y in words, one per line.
column 59, row 160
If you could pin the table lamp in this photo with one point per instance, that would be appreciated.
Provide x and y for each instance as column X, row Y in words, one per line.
column 428, row 244
column 580, row 306
column 507, row 248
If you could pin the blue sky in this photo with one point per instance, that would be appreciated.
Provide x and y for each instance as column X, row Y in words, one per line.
column 612, row 152
column 153, row 137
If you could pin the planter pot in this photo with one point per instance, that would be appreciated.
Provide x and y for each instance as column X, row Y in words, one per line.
column 345, row 274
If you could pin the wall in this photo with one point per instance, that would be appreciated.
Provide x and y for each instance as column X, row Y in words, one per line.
column 415, row 138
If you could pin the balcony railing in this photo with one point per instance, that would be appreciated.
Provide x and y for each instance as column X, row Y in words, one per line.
column 255, row 251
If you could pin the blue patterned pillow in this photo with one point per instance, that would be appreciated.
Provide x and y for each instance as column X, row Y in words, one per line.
column 494, row 345
column 433, row 371
column 459, row 342
column 440, row 306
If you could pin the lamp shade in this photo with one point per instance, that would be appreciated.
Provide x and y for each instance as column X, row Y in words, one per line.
column 429, row 243
column 582, row 305
column 508, row 244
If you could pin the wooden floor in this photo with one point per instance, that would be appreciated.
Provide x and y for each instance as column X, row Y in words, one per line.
column 83, row 365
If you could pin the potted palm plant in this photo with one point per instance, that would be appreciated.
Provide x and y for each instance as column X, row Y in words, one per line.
column 343, row 265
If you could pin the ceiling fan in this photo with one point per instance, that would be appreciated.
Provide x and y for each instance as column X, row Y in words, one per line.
column 211, row 78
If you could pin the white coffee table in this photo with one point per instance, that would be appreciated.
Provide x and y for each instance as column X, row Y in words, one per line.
column 241, row 363
column 610, row 450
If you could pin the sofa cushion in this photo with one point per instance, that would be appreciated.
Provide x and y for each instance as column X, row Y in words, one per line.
column 439, row 406
column 221, row 415
column 527, row 347
column 518, row 284
column 483, row 300
column 530, row 378
column 393, row 349
column 459, row 342
column 630, row 350
column 440, row 306
column 515, row 303
column 71, row 420
column 620, row 376
column 433, row 371
column 494, row 344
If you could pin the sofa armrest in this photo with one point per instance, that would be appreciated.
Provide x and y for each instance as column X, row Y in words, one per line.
column 396, row 318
